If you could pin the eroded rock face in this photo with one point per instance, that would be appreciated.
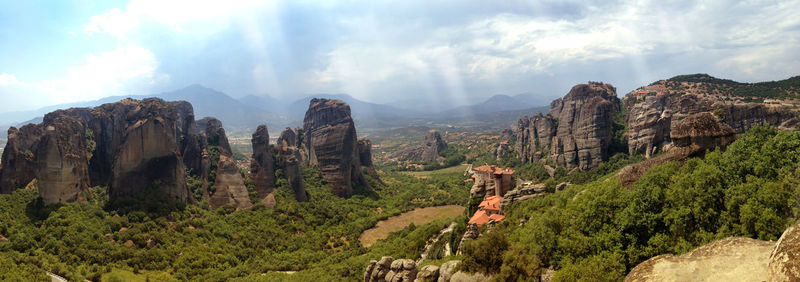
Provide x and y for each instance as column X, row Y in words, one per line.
column 329, row 137
column 129, row 146
column 18, row 163
column 230, row 189
column 61, row 161
column 365, row 157
column 784, row 261
column 431, row 146
column 290, row 158
column 654, row 112
column 262, row 168
column 147, row 158
column 576, row 133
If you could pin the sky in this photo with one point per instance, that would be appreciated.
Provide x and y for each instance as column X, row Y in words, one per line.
column 407, row 51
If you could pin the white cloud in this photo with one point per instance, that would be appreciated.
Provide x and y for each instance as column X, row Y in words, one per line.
column 124, row 70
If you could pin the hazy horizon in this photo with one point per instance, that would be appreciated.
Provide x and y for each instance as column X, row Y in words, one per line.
column 384, row 52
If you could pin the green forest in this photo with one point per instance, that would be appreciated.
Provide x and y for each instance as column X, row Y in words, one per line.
column 599, row 231
column 150, row 237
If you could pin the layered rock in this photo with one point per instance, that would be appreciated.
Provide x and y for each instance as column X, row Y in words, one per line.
column 388, row 269
column 522, row 194
column 654, row 111
column 61, row 164
column 577, row 132
column 262, row 167
column 130, row 146
column 228, row 183
column 431, row 146
column 691, row 137
column 18, row 163
column 329, row 137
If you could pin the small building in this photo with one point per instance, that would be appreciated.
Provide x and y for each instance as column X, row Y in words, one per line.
column 503, row 179
column 488, row 211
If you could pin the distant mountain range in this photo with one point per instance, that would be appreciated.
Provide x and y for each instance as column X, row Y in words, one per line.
column 241, row 116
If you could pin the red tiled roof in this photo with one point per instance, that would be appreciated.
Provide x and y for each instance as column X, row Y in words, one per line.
column 494, row 169
column 497, row 217
column 504, row 143
column 480, row 218
column 490, row 203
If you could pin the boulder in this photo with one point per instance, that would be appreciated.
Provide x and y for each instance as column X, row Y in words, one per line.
column 427, row 273
column 230, row 189
column 784, row 261
column 447, row 270
column 402, row 270
column 377, row 270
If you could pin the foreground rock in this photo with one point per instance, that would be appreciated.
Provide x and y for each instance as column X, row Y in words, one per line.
column 576, row 133
column 784, row 261
column 329, row 137
column 730, row 259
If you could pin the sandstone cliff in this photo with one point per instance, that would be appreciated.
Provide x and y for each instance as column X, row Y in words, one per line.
column 329, row 137
column 576, row 133
column 262, row 167
column 289, row 158
column 129, row 146
column 654, row 110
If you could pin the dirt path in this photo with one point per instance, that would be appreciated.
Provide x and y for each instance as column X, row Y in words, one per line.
column 398, row 222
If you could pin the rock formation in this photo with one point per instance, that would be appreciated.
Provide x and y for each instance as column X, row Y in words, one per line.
column 784, row 261
column 329, row 137
column 655, row 110
column 17, row 168
column 228, row 183
column 431, row 146
column 365, row 157
column 388, row 269
column 61, row 162
column 732, row 259
column 129, row 146
column 289, row 157
column 576, row 133
column 262, row 167
column 522, row 194
column 691, row 137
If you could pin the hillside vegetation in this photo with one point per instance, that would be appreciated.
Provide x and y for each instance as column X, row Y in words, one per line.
column 152, row 237
column 598, row 231
column 787, row 88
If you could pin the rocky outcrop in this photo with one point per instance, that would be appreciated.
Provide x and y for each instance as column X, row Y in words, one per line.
column 388, row 269
column 365, row 157
column 522, row 194
column 262, row 167
column 18, row 163
column 654, row 111
column 784, row 261
column 431, row 146
column 61, row 160
column 289, row 157
column 732, row 259
column 691, row 137
column 576, row 133
column 228, row 183
column 329, row 137
column 130, row 146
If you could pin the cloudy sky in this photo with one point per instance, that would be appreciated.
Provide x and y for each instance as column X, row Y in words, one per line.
column 382, row 51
